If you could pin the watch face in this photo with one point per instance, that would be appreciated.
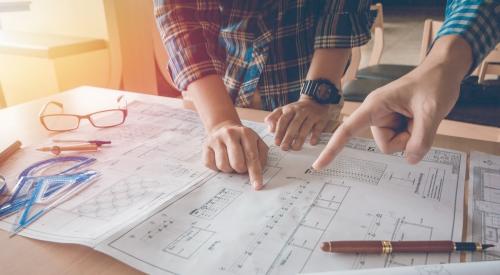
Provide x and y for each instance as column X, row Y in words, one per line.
column 323, row 92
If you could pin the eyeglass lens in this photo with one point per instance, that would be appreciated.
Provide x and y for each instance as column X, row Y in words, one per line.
column 107, row 118
column 61, row 122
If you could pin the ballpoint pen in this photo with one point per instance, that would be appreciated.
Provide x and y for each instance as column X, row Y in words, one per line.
column 387, row 247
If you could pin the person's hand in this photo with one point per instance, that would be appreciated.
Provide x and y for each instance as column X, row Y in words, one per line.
column 403, row 115
column 292, row 123
column 232, row 147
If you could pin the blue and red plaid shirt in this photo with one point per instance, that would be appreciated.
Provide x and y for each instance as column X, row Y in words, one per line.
column 266, row 45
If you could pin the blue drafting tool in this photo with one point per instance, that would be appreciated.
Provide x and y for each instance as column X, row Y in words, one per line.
column 26, row 179
column 76, row 183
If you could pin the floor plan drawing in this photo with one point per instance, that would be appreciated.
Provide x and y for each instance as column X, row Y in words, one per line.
column 484, row 204
column 308, row 233
column 427, row 184
column 355, row 169
column 216, row 204
column 224, row 227
column 120, row 196
column 139, row 172
column 158, row 209
column 483, row 268
column 388, row 227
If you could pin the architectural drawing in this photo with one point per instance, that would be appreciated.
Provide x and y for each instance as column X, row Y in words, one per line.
column 388, row 227
column 142, row 168
column 119, row 197
column 484, row 204
column 188, row 242
column 216, row 204
column 428, row 184
column 309, row 231
column 160, row 210
column 483, row 268
column 224, row 227
column 354, row 169
column 275, row 155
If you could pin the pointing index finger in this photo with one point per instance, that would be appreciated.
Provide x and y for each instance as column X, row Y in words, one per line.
column 359, row 120
column 253, row 162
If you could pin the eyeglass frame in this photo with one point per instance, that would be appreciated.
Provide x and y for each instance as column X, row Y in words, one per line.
column 41, row 115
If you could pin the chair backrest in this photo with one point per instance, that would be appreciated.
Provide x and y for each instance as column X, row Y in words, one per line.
column 431, row 28
column 137, row 57
column 494, row 55
column 378, row 35
column 377, row 49
column 2, row 98
column 490, row 65
column 114, row 45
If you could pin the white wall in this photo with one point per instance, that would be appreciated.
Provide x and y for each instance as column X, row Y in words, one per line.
column 65, row 17
column 25, row 78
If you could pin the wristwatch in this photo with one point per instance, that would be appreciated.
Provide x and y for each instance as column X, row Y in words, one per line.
column 321, row 90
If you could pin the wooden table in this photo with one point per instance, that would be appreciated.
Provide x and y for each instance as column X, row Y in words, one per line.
column 25, row 256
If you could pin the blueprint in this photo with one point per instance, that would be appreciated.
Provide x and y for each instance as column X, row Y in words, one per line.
column 158, row 209
column 483, row 268
column 223, row 226
column 484, row 204
column 144, row 167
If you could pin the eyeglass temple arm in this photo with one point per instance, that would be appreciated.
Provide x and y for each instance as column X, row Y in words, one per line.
column 120, row 99
column 60, row 105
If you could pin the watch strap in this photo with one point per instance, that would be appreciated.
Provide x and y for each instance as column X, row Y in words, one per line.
column 310, row 88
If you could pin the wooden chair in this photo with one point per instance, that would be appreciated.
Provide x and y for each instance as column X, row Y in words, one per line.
column 138, row 59
column 378, row 46
column 375, row 70
column 477, row 104
column 376, row 75
column 490, row 65
column 431, row 28
column 2, row 99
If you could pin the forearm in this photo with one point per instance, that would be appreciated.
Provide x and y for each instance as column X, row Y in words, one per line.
column 477, row 22
column 212, row 101
column 329, row 64
column 451, row 54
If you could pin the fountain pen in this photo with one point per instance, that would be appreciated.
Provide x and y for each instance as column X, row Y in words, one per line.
column 387, row 247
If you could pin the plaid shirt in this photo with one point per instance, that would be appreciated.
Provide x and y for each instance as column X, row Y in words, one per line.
column 266, row 45
column 476, row 21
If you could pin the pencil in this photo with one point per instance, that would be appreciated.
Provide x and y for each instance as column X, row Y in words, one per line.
column 56, row 150
column 388, row 247
column 5, row 154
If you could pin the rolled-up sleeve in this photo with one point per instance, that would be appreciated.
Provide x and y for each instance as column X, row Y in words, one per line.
column 343, row 24
column 189, row 30
column 477, row 22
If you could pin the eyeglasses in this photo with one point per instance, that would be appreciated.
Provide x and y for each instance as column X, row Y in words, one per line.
column 60, row 122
